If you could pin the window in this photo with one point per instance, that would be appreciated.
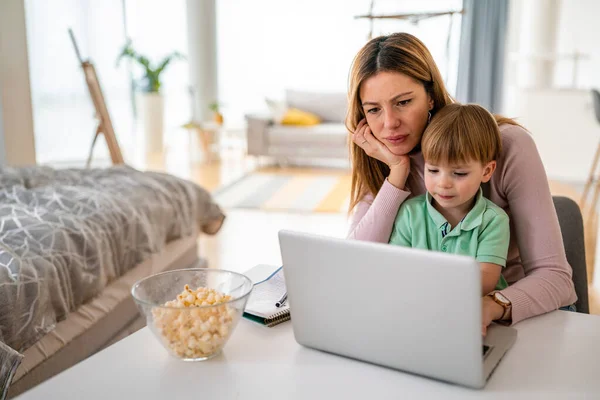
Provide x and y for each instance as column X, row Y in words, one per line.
column 64, row 120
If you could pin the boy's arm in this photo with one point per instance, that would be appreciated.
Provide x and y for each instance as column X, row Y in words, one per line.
column 492, row 250
column 490, row 275
column 401, row 230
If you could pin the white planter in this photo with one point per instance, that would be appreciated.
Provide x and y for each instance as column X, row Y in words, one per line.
column 151, row 109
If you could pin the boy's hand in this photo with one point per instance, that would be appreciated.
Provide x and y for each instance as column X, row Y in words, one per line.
column 490, row 311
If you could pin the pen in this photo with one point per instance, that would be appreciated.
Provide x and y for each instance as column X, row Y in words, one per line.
column 282, row 300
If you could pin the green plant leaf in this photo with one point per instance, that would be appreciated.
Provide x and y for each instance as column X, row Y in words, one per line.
column 167, row 60
column 150, row 82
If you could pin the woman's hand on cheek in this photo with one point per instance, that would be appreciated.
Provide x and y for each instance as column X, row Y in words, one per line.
column 364, row 138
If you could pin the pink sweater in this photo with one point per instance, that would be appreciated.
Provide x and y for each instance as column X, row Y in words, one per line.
column 536, row 261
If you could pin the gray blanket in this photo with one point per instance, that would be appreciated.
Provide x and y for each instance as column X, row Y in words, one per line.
column 65, row 234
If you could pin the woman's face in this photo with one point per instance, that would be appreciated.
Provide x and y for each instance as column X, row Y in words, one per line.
column 396, row 108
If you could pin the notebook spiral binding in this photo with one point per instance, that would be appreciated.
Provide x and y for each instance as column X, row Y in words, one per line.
column 278, row 318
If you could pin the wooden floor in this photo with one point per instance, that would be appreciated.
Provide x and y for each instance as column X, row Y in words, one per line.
column 249, row 237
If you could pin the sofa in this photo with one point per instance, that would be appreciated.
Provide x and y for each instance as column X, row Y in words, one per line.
column 327, row 140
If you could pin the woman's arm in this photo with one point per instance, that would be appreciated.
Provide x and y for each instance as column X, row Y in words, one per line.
column 402, row 228
column 373, row 219
column 548, row 283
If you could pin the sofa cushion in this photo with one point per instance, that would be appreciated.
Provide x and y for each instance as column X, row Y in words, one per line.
column 331, row 107
column 294, row 116
column 326, row 134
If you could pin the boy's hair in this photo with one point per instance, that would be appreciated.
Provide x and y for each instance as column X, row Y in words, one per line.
column 461, row 133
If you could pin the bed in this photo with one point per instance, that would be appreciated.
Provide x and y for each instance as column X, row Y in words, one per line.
column 72, row 242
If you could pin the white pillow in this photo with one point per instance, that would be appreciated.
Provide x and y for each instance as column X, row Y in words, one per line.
column 277, row 109
column 330, row 107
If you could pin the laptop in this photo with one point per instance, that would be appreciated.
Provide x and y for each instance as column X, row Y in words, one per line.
column 412, row 310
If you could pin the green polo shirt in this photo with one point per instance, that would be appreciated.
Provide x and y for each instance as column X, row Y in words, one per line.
column 483, row 233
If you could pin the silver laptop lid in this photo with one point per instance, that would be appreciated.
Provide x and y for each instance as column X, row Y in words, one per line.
column 413, row 310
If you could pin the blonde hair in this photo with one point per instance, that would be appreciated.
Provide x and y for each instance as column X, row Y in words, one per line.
column 398, row 52
column 461, row 133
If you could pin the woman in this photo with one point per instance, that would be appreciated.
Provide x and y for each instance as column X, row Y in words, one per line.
column 395, row 89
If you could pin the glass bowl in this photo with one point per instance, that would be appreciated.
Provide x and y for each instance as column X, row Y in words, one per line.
column 198, row 330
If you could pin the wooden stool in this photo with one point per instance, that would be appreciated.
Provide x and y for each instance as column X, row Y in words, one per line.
column 204, row 136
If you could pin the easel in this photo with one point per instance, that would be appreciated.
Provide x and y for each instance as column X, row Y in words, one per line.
column 105, row 126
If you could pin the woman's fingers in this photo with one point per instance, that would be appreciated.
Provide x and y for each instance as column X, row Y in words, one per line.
column 366, row 141
column 368, row 135
column 360, row 125
column 363, row 138
column 360, row 134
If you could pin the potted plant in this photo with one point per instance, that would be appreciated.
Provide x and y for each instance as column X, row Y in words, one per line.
column 215, row 107
column 150, row 100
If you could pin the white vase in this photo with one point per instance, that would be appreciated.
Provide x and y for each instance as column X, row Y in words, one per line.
column 151, row 109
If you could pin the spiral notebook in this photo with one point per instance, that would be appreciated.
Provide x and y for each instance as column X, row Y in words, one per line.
column 261, row 304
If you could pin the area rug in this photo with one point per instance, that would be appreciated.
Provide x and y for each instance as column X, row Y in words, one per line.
column 288, row 191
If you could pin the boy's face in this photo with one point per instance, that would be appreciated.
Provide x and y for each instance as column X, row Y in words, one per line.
column 454, row 186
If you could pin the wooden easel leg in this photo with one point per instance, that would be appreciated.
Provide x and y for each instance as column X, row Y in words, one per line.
column 592, row 205
column 98, row 132
column 590, row 180
column 590, row 224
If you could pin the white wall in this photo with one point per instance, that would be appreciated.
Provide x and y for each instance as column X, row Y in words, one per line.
column 16, row 120
column 561, row 116
column 579, row 30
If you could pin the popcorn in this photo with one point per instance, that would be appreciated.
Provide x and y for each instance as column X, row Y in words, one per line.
column 195, row 331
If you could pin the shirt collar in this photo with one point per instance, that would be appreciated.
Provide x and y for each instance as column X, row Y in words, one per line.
column 475, row 217
column 472, row 220
column 435, row 215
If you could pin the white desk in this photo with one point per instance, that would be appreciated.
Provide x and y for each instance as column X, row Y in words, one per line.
column 556, row 357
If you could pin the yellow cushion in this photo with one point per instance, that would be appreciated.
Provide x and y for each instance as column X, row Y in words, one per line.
column 294, row 116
